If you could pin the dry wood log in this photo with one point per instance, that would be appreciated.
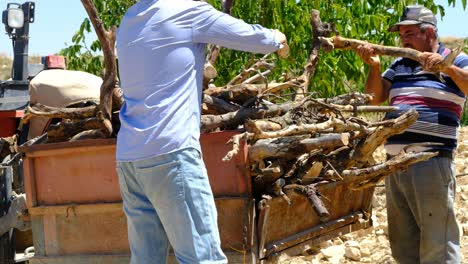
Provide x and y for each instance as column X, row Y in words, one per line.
column 236, row 142
column 234, row 119
column 399, row 162
column 67, row 129
column 240, row 93
column 88, row 134
column 260, row 64
column 54, row 112
column 276, row 189
column 274, row 170
column 353, row 98
column 364, row 108
column 314, row 198
column 259, row 126
column 258, row 77
column 117, row 99
column 333, row 125
column 107, row 40
column 290, row 147
column 319, row 30
column 8, row 145
column 216, row 106
column 301, row 163
column 366, row 147
column 338, row 42
column 264, row 182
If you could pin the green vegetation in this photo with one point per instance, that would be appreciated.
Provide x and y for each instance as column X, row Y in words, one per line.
column 337, row 72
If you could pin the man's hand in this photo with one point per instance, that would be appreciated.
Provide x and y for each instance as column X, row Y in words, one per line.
column 429, row 59
column 283, row 51
column 367, row 54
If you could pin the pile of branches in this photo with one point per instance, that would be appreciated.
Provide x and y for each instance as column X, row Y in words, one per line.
column 301, row 142
column 293, row 143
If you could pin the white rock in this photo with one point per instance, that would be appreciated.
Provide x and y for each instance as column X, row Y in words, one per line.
column 337, row 241
column 365, row 252
column 351, row 243
column 326, row 244
column 375, row 221
column 353, row 253
column 333, row 251
column 379, row 232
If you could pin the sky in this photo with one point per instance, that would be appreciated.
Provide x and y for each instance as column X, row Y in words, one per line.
column 57, row 20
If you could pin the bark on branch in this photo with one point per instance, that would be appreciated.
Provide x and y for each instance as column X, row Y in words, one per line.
column 54, row 112
column 107, row 40
column 338, row 42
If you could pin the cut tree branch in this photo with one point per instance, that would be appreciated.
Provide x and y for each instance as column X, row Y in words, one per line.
column 338, row 42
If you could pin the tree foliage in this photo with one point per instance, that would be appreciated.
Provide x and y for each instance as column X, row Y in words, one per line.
column 337, row 72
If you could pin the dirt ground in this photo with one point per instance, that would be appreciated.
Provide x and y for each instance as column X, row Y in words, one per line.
column 371, row 245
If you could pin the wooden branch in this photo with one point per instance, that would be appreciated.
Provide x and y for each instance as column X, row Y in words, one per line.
column 88, row 134
column 260, row 64
column 107, row 40
column 257, row 77
column 241, row 93
column 8, row 145
column 290, row 147
column 332, row 125
column 67, row 129
column 54, row 112
column 216, row 106
column 117, row 99
column 319, row 30
column 227, row 5
column 365, row 108
column 365, row 148
column 399, row 162
column 236, row 141
column 259, row 126
column 338, row 42
column 313, row 196
column 234, row 119
column 354, row 99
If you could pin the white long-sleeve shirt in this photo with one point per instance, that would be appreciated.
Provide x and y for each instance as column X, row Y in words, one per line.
column 161, row 50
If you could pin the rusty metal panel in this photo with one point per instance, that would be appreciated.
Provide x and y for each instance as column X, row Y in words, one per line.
column 233, row 258
column 101, row 228
column 77, row 172
column 235, row 223
column 282, row 226
column 230, row 178
column 84, row 172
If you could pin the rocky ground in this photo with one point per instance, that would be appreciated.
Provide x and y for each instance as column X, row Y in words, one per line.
column 371, row 245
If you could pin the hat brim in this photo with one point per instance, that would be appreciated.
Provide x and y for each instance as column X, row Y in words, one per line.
column 394, row 28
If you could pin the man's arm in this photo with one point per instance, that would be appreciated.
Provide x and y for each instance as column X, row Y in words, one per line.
column 212, row 26
column 458, row 75
column 375, row 84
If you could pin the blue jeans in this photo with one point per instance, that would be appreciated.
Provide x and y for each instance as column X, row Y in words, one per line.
column 168, row 200
column 421, row 218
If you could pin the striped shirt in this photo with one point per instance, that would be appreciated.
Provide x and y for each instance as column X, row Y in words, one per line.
column 438, row 101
